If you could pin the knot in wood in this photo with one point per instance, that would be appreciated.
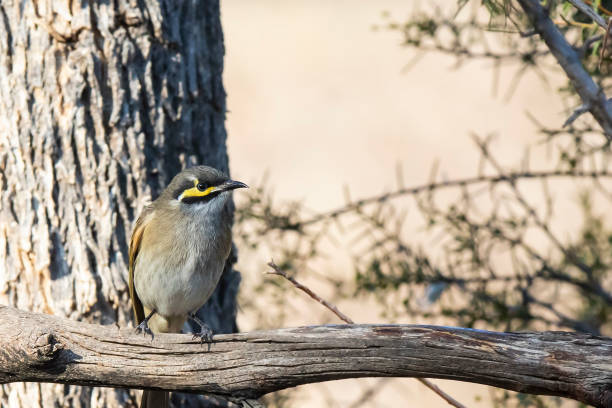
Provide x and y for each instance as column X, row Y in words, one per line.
column 44, row 348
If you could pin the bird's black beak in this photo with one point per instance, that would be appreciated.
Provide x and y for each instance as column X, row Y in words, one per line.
column 231, row 185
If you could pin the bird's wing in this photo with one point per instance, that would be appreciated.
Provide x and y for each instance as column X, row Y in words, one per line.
column 139, row 229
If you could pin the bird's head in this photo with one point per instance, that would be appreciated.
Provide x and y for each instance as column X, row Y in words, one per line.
column 200, row 188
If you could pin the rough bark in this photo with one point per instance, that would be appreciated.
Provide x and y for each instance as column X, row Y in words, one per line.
column 101, row 103
column 50, row 348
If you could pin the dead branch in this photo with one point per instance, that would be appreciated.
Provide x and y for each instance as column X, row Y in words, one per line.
column 44, row 348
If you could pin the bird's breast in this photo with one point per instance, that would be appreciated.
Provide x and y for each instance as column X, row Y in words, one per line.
column 178, row 272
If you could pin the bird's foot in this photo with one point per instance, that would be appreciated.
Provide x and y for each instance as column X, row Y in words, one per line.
column 205, row 334
column 143, row 327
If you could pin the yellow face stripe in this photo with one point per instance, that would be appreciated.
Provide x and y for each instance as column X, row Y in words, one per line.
column 194, row 192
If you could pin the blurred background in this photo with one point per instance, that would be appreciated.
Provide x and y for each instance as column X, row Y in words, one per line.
column 327, row 104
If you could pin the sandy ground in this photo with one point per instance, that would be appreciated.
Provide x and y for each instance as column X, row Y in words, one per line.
column 320, row 100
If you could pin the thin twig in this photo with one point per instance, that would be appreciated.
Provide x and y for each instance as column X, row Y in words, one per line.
column 602, row 52
column 278, row 271
column 576, row 114
column 599, row 20
column 526, row 175
column 569, row 256
column 441, row 393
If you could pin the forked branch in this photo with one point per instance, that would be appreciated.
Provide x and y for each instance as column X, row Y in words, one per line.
column 593, row 98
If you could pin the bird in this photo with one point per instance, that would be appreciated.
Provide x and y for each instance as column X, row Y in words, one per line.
column 177, row 253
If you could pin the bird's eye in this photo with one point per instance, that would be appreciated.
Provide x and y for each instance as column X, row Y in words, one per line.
column 201, row 186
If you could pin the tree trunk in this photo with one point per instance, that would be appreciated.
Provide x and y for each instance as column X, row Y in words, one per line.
column 101, row 104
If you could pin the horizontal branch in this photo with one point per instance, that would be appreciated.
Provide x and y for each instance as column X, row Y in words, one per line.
column 44, row 348
column 464, row 182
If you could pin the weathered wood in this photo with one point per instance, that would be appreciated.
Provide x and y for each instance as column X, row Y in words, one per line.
column 44, row 348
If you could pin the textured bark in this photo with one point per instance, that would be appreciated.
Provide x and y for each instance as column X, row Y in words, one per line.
column 101, row 103
column 49, row 348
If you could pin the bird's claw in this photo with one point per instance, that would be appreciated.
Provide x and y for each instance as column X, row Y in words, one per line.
column 205, row 335
column 144, row 327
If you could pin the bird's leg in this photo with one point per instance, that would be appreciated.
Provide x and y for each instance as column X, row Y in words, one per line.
column 144, row 325
column 206, row 333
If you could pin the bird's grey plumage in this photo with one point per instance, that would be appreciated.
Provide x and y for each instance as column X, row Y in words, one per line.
column 197, row 244
column 178, row 251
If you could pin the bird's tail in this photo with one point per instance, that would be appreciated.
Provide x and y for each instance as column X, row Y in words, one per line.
column 155, row 399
